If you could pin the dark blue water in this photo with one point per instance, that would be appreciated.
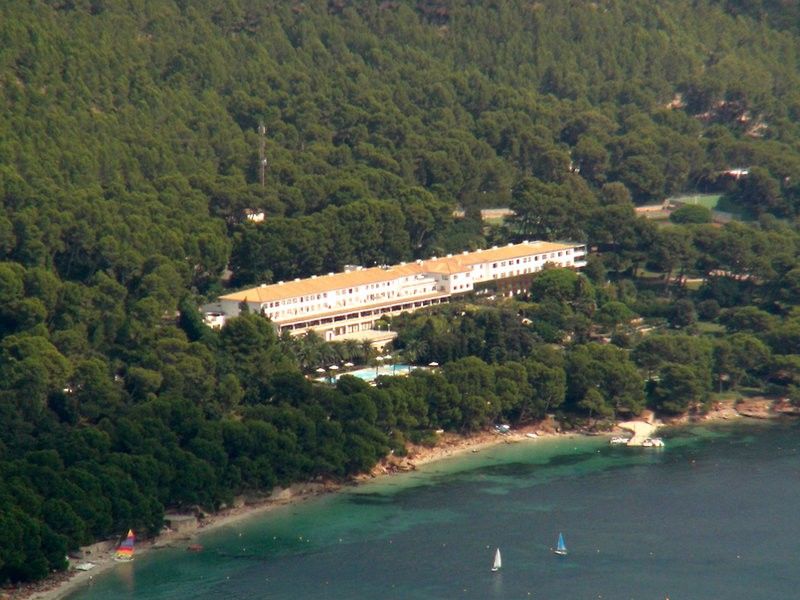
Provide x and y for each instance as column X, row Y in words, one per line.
column 711, row 516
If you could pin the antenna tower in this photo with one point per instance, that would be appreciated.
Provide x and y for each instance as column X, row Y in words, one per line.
column 262, row 159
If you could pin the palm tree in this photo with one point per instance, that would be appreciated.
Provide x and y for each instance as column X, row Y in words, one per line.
column 367, row 352
column 416, row 350
column 308, row 350
column 327, row 354
column 348, row 350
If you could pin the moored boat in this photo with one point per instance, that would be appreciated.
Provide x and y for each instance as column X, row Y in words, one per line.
column 653, row 443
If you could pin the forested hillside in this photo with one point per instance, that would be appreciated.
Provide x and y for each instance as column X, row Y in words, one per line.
column 129, row 153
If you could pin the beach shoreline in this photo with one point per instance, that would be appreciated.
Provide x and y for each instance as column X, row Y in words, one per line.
column 62, row 584
column 448, row 445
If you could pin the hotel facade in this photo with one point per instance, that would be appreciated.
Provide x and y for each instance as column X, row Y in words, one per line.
column 347, row 305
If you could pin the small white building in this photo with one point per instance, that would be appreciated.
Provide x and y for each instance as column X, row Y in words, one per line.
column 254, row 216
column 736, row 173
column 214, row 316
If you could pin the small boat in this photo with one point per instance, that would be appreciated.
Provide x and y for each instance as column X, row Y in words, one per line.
column 561, row 548
column 125, row 550
column 194, row 547
column 498, row 561
column 653, row 443
column 619, row 440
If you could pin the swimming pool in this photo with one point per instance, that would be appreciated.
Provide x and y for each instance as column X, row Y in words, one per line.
column 371, row 373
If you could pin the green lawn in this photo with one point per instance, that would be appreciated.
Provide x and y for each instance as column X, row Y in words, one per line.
column 708, row 200
column 694, row 284
column 707, row 327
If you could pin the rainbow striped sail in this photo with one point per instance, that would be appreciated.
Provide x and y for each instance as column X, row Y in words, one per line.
column 125, row 549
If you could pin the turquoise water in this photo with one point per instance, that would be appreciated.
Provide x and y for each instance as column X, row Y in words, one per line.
column 372, row 373
column 711, row 516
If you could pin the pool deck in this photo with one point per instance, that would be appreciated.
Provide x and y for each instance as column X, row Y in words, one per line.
column 371, row 373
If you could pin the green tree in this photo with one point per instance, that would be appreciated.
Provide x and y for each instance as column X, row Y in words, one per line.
column 691, row 213
column 678, row 389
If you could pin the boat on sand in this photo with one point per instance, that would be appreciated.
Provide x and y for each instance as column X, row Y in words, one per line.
column 125, row 550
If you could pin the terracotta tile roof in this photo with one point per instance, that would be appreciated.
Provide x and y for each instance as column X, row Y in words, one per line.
column 447, row 265
column 513, row 251
column 323, row 283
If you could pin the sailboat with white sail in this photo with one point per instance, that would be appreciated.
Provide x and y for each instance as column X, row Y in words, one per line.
column 498, row 561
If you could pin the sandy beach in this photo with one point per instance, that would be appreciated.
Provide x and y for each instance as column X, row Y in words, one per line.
column 448, row 445
column 102, row 554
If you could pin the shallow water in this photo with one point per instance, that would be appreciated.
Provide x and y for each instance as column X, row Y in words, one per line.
column 711, row 516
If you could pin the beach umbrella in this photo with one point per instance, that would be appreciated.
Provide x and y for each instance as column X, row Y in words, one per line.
column 333, row 368
column 349, row 364
column 433, row 364
column 320, row 370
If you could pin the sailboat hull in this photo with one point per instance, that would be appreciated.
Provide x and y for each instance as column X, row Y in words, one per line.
column 123, row 558
column 125, row 550
column 561, row 547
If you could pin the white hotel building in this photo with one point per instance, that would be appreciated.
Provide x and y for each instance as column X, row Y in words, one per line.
column 347, row 305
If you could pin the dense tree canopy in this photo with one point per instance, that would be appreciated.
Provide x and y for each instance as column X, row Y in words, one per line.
column 130, row 162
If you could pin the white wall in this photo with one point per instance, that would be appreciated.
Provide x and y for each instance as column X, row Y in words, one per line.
column 406, row 287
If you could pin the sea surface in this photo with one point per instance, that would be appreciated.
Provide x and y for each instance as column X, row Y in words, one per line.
column 712, row 516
